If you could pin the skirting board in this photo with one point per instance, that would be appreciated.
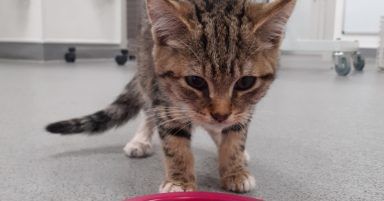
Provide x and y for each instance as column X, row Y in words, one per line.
column 27, row 51
column 46, row 51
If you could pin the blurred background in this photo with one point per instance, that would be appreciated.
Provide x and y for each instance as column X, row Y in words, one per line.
column 45, row 29
column 318, row 135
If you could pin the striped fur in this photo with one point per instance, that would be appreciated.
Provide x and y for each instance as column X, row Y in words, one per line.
column 125, row 107
column 219, row 41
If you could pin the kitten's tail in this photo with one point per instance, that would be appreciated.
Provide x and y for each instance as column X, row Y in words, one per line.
column 124, row 108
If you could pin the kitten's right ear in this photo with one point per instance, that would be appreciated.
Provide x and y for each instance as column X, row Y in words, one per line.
column 171, row 20
column 269, row 20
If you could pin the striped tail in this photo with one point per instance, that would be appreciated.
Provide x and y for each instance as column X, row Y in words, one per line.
column 124, row 108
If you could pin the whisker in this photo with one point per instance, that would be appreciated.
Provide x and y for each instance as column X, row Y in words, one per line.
column 172, row 120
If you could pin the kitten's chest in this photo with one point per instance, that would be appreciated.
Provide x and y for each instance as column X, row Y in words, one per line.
column 209, row 127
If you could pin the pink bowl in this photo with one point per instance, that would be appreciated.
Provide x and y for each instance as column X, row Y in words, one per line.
column 193, row 197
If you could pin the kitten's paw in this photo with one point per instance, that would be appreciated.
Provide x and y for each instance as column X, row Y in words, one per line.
column 138, row 149
column 173, row 187
column 241, row 182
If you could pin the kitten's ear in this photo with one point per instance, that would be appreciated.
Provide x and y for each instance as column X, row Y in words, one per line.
column 270, row 19
column 171, row 20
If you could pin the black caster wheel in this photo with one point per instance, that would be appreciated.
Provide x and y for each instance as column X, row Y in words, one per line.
column 122, row 59
column 70, row 56
column 343, row 67
column 358, row 62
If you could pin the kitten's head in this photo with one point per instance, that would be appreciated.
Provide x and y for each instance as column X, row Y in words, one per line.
column 217, row 58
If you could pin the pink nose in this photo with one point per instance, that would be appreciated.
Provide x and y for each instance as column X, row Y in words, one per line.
column 220, row 117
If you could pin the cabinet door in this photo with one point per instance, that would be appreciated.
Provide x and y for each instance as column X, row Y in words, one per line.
column 82, row 21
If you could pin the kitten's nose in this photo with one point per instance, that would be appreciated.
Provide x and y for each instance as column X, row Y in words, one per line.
column 220, row 117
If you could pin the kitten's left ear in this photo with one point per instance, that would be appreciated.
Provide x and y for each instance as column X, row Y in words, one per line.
column 270, row 19
column 171, row 20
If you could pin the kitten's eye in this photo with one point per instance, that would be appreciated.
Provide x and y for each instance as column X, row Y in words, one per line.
column 245, row 83
column 196, row 82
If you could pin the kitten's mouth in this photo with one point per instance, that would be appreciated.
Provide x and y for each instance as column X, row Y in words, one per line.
column 208, row 121
column 223, row 123
column 214, row 124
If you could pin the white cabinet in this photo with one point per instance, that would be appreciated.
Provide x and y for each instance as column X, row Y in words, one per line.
column 20, row 21
column 82, row 21
column 62, row 21
column 344, row 27
column 348, row 20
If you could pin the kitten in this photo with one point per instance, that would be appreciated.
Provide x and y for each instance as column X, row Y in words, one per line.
column 201, row 63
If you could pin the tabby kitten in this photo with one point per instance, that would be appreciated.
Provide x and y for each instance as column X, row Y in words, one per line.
column 201, row 63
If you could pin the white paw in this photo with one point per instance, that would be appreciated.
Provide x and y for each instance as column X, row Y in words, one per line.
column 240, row 184
column 138, row 149
column 248, row 184
column 170, row 187
column 247, row 157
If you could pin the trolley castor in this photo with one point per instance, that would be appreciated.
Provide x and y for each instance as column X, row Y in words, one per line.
column 344, row 61
column 122, row 59
column 70, row 56
column 358, row 62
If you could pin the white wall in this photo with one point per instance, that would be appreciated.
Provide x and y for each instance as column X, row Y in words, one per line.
column 20, row 21
column 301, row 24
column 298, row 25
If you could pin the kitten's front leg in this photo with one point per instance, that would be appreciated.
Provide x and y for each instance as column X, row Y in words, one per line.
column 232, row 162
column 217, row 138
column 179, row 162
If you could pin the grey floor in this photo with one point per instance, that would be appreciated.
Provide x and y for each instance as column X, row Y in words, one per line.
column 315, row 136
